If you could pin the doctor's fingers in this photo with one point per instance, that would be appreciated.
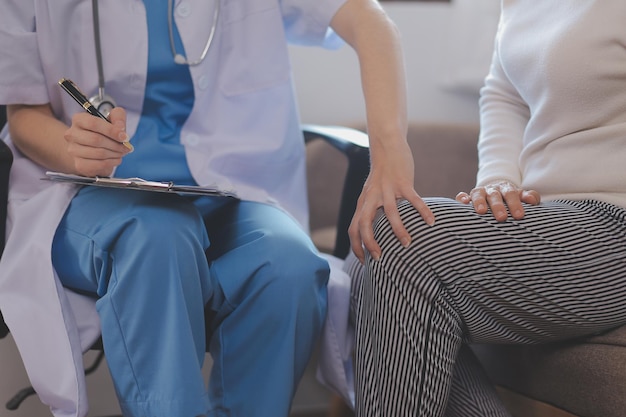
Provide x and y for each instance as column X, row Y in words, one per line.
column 93, row 161
column 422, row 208
column 104, row 149
column 361, row 231
column 118, row 119
column 393, row 215
column 85, row 122
column 78, row 138
column 96, row 167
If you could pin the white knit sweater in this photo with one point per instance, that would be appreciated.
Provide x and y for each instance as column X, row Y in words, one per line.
column 553, row 108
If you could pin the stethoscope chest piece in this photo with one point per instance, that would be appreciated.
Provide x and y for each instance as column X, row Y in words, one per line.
column 103, row 102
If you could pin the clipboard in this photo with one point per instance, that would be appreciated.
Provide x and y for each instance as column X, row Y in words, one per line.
column 139, row 184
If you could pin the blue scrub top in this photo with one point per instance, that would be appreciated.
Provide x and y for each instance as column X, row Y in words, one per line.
column 169, row 99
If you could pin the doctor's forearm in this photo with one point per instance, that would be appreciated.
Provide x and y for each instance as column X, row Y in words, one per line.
column 376, row 41
column 39, row 135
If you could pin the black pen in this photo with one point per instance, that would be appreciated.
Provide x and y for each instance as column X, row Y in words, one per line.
column 74, row 91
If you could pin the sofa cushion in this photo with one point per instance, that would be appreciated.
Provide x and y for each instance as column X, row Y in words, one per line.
column 585, row 377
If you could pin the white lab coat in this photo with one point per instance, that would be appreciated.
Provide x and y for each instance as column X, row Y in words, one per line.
column 243, row 133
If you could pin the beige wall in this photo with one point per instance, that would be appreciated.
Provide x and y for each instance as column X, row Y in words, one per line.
column 447, row 48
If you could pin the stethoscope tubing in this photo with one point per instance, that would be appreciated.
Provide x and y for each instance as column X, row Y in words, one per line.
column 104, row 100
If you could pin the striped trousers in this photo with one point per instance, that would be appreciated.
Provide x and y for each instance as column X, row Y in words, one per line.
column 558, row 274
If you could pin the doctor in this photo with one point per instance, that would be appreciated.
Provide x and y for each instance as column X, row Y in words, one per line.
column 204, row 94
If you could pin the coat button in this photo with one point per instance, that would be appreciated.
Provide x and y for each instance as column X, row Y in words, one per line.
column 183, row 9
column 191, row 139
column 203, row 82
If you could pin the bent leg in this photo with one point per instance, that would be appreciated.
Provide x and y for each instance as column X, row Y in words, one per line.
column 143, row 255
column 471, row 392
column 560, row 273
column 270, row 311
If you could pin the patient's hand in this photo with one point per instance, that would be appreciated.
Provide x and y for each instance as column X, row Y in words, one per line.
column 502, row 197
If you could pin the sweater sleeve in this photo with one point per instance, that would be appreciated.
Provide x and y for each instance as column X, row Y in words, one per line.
column 503, row 119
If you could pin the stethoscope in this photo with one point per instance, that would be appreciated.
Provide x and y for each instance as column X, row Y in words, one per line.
column 104, row 102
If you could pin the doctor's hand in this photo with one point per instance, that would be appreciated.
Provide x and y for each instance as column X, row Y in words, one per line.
column 390, row 179
column 502, row 197
column 95, row 145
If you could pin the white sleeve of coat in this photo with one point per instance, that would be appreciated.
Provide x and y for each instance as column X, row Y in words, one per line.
column 21, row 74
column 308, row 22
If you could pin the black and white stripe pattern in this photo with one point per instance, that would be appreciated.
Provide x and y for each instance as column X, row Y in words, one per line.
column 560, row 273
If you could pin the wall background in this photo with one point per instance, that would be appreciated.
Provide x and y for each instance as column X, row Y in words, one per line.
column 447, row 53
column 447, row 48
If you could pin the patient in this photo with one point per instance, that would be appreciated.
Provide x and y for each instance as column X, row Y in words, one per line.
column 535, row 253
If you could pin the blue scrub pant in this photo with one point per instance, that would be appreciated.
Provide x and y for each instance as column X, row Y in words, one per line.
column 155, row 261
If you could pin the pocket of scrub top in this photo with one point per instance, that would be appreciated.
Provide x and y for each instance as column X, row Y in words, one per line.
column 253, row 51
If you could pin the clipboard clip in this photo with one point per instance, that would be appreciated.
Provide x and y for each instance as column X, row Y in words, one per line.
column 134, row 183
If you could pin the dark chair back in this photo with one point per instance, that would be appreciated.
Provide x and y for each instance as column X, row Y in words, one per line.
column 6, row 159
column 3, row 116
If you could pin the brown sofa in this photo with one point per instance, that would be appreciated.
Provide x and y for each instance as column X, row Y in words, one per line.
column 586, row 378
